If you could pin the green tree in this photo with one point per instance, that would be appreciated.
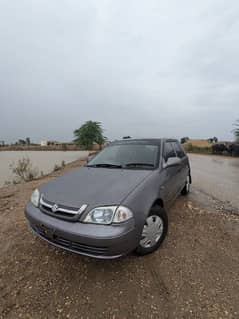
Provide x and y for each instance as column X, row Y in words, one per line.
column 21, row 142
column 89, row 133
column 236, row 130
column 184, row 139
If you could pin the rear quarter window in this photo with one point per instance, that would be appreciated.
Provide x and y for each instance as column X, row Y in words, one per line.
column 168, row 151
column 179, row 150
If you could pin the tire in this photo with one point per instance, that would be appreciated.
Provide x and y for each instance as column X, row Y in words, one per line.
column 155, row 230
column 186, row 190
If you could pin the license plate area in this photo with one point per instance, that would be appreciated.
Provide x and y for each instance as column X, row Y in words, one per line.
column 47, row 231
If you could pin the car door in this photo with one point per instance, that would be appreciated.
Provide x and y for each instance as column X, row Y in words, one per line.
column 183, row 169
column 170, row 174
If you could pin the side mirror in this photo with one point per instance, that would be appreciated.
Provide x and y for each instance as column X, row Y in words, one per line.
column 172, row 161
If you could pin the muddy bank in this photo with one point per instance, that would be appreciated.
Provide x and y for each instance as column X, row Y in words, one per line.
column 42, row 162
column 194, row 275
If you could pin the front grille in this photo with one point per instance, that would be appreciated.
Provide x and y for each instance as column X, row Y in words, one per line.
column 72, row 245
column 60, row 211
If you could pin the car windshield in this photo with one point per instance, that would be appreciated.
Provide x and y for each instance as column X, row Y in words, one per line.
column 130, row 156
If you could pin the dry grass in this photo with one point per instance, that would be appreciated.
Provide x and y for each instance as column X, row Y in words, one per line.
column 199, row 143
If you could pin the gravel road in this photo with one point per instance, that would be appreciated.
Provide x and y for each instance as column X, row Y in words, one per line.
column 194, row 274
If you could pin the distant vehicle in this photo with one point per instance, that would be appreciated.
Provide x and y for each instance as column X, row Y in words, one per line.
column 116, row 203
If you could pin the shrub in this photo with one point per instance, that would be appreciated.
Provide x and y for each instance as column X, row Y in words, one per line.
column 23, row 170
column 197, row 149
column 188, row 147
column 56, row 168
column 233, row 149
column 219, row 149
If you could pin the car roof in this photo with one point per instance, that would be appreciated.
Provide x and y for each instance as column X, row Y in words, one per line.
column 154, row 141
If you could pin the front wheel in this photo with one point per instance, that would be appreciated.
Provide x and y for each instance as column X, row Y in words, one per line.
column 154, row 231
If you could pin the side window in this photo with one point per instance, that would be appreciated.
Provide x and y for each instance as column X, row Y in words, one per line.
column 179, row 150
column 168, row 151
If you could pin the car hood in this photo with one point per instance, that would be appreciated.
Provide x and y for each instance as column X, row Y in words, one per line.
column 93, row 186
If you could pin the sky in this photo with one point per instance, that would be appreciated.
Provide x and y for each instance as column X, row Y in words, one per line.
column 142, row 68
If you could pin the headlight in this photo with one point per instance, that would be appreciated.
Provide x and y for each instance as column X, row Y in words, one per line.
column 35, row 197
column 108, row 214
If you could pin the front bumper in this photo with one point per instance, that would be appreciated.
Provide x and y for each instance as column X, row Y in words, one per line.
column 100, row 241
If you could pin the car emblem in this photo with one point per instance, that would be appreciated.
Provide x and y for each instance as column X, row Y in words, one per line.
column 54, row 208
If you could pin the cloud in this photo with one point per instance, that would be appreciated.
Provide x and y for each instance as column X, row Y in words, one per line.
column 150, row 68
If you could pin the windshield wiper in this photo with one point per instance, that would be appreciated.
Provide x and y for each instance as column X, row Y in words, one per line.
column 106, row 165
column 139, row 164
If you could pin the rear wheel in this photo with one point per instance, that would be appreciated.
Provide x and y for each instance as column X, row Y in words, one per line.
column 154, row 231
column 186, row 188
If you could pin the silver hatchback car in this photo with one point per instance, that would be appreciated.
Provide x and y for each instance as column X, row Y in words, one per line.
column 116, row 203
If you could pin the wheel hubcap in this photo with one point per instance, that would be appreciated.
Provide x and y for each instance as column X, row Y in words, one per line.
column 188, row 184
column 152, row 231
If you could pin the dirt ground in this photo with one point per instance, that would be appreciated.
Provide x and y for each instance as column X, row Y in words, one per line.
column 195, row 274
